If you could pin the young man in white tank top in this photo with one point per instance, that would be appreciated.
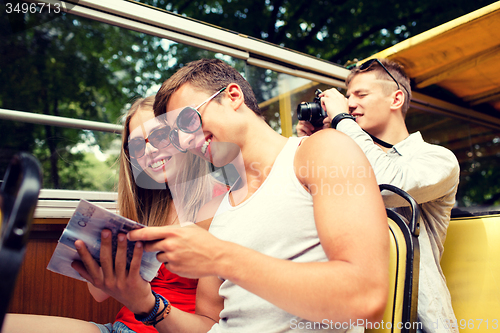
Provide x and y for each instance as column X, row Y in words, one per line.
column 261, row 267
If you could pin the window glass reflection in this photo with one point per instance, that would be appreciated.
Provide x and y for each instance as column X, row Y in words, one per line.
column 477, row 149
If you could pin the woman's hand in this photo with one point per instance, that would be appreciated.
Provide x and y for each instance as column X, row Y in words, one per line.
column 126, row 286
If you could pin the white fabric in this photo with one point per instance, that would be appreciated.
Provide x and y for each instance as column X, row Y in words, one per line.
column 430, row 174
column 276, row 220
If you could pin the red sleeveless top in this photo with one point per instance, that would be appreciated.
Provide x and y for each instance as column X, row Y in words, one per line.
column 179, row 291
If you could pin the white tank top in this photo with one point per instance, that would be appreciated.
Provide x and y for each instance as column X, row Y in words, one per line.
column 276, row 220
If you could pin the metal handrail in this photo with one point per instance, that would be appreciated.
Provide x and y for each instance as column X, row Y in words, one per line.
column 43, row 119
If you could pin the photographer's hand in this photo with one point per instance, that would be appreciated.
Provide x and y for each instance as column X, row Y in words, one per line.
column 334, row 103
column 305, row 128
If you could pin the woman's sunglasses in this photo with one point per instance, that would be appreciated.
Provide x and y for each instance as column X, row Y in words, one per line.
column 158, row 138
column 367, row 65
column 188, row 121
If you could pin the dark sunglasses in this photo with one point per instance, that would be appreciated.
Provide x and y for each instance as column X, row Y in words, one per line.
column 189, row 121
column 367, row 65
column 158, row 138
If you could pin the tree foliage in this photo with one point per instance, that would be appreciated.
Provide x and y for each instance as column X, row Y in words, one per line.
column 73, row 67
column 68, row 67
column 333, row 30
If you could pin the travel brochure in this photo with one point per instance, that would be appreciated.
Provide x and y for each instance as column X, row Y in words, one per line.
column 86, row 224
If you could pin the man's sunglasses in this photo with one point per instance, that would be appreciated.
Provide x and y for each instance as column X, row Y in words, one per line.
column 158, row 138
column 189, row 121
column 367, row 65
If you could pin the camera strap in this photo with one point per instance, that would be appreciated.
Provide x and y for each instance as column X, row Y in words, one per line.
column 380, row 142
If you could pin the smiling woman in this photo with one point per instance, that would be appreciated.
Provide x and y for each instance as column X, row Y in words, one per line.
column 149, row 146
column 158, row 186
column 149, row 161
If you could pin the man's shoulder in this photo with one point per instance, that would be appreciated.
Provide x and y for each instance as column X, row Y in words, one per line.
column 441, row 150
column 328, row 139
column 432, row 147
column 326, row 143
column 328, row 148
column 433, row 153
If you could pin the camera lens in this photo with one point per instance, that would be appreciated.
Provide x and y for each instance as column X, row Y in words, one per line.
column 304, row 111
column 311, row 112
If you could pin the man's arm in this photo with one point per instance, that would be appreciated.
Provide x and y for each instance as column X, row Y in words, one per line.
column 425, row 175
column 352, row 284
column 208, row 302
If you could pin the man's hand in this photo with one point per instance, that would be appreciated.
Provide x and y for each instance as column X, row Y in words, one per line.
column 334, row 103
column 188, row 251
column 127, row 287
column 305, row 128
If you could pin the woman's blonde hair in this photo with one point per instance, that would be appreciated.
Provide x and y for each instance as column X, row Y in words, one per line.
column 151, row 207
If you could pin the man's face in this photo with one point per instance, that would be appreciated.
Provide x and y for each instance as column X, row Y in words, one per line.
column 210, row 141
column 369, row 102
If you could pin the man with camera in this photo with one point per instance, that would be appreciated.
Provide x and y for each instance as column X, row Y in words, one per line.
column 373, row 114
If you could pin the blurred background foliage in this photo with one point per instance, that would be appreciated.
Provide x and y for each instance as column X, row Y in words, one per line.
column 65, row 65
column 334, row 30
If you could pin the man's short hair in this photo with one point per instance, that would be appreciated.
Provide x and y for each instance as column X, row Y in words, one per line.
column 395, row 69
column 208, row 75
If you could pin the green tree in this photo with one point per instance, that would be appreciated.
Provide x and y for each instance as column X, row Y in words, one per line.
column 332, row 30
column 74, row 67
column 71, row 67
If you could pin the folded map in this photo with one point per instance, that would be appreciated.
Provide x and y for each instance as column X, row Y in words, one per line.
column 86, row 224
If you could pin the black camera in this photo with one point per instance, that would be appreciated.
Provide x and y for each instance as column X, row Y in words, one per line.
column 312, row 111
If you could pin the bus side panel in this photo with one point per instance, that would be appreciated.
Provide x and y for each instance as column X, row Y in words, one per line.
column 40, row 291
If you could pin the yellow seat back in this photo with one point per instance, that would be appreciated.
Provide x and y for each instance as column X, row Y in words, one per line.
column 400, row 315
column 471, row 265
column 392, row 321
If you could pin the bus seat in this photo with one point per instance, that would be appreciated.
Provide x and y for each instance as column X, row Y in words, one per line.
column 400, row 314
column 471, row 265
column 18, row 198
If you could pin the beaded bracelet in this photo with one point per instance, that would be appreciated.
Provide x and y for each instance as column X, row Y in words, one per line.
column 162, row 315
column 154, row 317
